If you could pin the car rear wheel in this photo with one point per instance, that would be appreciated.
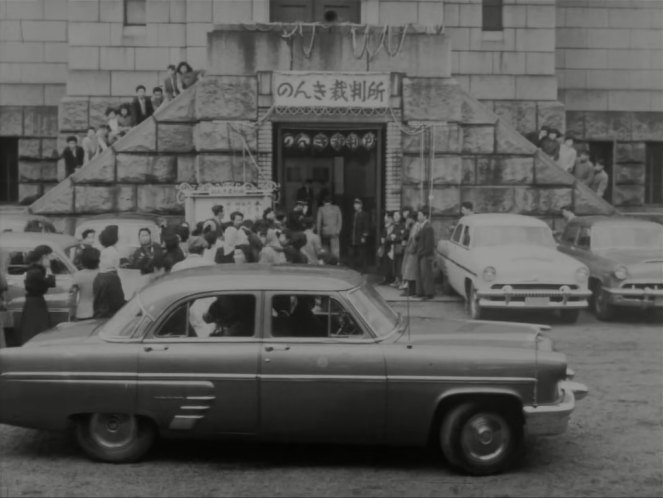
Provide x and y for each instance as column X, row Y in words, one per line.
column 480, row 440
column 474, row 308
column 115, row 437
column 602, row 307
column 569, row 316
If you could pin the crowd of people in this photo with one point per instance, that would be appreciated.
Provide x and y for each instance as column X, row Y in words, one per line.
column 563, row 150
column 119, row 120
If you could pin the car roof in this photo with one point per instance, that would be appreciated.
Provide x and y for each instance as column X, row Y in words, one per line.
column 493, row 219
column 252, row 276
column 118, row 219
column 33, row 239
column 12, row 218
column 613, row 220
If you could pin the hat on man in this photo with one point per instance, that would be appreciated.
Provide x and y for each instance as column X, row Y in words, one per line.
column 302, row 203
column 197, row 244
column 358, row 201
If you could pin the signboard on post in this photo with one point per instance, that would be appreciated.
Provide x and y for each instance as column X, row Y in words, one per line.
column 247, row 198
column 331, row 89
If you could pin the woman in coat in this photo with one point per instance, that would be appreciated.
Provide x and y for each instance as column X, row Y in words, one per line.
column 38, row 279
column 410, row 260
column 107, row 286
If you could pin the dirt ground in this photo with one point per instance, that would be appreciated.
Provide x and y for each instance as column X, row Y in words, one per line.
column 613, row 447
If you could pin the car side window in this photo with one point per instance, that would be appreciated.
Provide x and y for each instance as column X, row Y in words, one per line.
column 58, row 267
column 456, row 235
column 307, row 315
column 569, row 235
column 466, row 237
column 223, row 315
column 584, row 238
column 17, row 262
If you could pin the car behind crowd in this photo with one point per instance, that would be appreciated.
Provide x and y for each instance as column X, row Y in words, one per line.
column 288, row 353
column 511, row 262
column 22, row 221
column 14, row 249
column 128, row 226
column 625, row 260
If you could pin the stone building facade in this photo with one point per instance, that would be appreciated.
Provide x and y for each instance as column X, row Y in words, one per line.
column 62, row 62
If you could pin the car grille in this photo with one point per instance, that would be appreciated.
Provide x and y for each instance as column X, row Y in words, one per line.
column 534, row 287
column 655, row 286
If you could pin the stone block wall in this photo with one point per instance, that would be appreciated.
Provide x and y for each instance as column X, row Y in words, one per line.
column 610, row 55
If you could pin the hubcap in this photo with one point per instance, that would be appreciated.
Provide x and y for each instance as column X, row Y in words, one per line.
column 112, row 430
column 485, row 437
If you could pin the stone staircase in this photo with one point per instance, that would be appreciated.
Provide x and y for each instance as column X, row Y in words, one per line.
column 199, row 137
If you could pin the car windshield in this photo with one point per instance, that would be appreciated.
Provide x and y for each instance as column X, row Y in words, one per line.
column 502, row 235
column 374, row 309
column 127, row 322
column 627, row 237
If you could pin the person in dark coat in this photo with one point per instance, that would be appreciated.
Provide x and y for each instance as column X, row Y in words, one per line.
column 141, row 106
column 148, row 256
column 73, row 155
column 305, row 195
column 38, row 279
column 359, row 237
column 295, row 221
column 425, row 244
column 292, row 247
column 107, row 286
column 173, row 253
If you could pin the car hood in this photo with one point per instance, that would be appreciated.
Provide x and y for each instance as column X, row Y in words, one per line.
column 527, row 263
column 65, row 333
column 480, row 333
column 632, row 256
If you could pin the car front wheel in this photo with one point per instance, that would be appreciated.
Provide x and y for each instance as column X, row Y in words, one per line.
column 479, row 440
column 602, row 307
column 569, row 316
column 475, row 310
column 115, row 437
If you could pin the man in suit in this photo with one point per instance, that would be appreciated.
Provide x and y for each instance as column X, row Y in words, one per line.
column 141, row 106
column 425, row 245
column 359, row 237
column 305, row 194
column 73, row 155
column 170, row 83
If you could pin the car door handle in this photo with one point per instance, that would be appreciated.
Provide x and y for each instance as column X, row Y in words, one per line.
column 147, row 349
column 274, row 348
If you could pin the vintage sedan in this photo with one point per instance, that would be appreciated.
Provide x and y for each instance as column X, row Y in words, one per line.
column 14, row 248
column 288, row 353
column 625, row 260
column 510, row 262
column 22, row 221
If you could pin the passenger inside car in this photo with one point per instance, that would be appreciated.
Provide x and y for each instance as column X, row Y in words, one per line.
column 233, row 316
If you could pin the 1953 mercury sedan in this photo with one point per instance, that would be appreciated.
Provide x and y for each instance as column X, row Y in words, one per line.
column 510, row 262
column 625, row 260
column 287, row 353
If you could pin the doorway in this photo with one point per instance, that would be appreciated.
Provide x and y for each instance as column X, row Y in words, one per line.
column 345, row 159
column 654, row 173
column 8, row 169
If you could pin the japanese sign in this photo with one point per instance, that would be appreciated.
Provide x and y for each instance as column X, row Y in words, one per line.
column 331, row 89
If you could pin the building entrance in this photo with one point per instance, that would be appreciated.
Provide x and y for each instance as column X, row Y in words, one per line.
column 344, row 160
column 8, row 169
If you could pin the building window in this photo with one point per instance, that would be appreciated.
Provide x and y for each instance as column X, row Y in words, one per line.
column 134, row 12
column 325, row 11
column 654, row 173
column 491, row 15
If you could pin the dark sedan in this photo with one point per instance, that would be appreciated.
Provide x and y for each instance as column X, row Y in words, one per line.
column 288, row 353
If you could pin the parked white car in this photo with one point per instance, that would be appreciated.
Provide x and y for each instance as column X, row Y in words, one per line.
column 510, row 261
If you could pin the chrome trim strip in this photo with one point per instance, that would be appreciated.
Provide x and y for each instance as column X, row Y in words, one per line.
column 451, row 378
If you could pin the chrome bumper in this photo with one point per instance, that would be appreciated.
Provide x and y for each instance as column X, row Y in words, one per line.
column 636, row 298
column 527, row 298
column 548, row 420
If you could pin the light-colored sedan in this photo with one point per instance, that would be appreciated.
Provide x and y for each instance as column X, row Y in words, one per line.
column 511, row 262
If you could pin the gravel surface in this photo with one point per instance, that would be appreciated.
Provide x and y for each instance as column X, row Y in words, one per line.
column 613, row 447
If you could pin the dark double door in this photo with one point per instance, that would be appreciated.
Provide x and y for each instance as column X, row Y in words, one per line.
column 8, row 169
